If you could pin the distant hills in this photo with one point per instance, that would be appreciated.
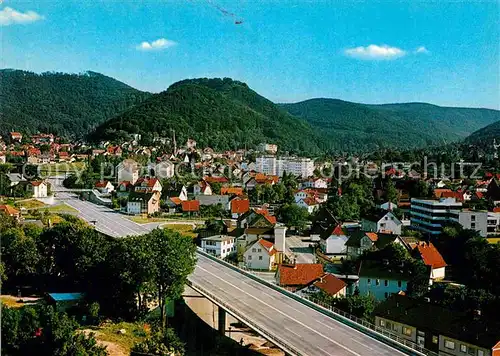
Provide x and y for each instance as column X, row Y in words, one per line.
column 353, row 127
column 65, row 104
column 219, row 113
column 486, row 135
column 223, row 114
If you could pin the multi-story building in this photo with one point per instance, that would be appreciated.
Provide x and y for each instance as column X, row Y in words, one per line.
column 429, row 216
column 493, row 224
column 219, row 245
column 472, row 220
column 268, row 147
column 298, row 166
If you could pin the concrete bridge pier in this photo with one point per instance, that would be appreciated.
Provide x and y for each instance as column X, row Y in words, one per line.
column 221, row 321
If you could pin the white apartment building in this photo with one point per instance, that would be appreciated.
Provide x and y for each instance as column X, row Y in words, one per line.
column 268, row 147
column 472, row 220
column 298, row 166
column 429, row 216
column 493, row 224
column 219, row 245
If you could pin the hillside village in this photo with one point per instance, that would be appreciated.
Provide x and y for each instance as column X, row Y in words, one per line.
column 384, row 245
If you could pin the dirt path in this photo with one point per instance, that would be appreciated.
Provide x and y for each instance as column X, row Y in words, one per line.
column 112, row 348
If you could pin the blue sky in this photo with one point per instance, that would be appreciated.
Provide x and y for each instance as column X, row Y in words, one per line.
column 441, row 52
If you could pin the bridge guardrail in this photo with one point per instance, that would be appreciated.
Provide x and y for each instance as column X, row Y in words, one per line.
column 365, row 327
column 249, row 322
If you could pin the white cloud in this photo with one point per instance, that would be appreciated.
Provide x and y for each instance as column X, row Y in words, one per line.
column 158, row 45
column 422, row 49
column 9, row 16
column 374, row 52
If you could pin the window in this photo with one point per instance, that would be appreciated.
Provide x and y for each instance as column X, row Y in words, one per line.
column 369, row 281
column 480, row 353
column 395, row 327
column 435, row 339
column 472, row 218
column 382, row 322
column 406, row 331
column 472, row 225
column 260, row 258
column 399, row 284
column 259, row 250
column 463, row 348
column 250, row 257
column 386, row 283
column 449, row 344
column 386, row 295
column 254, row 250
column 472, row 351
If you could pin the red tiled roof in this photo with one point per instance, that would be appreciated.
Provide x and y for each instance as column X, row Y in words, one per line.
column 36, row 183
column 496, row 210
column 300, row 274
column 479, row 195
column 330, row 284
column 150, row 182
column 9, row 210
column 231, row 191
column 240, row 206
column 338, row 231
column 101, row 184
column 265, row 213
column 190, row 205
column 176, row 200
column 310, row 201
column 15, row 134
column 372, row 236
column 216, row 179
column 269, row 246
column 430, row 255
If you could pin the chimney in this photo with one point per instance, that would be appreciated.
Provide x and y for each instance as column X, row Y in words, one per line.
column 279, row 238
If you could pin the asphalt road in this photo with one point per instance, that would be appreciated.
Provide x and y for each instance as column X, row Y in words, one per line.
column 106, row 220
column 296, row 325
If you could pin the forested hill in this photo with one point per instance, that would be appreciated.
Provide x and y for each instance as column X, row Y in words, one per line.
column 219, row 113
column 65, row 104
column 354, row 127
column 486, row 135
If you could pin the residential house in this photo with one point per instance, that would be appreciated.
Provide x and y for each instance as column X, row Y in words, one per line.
column 219, row 245
column 16, row 137
column 381, row 221
column 321, row 183
column 123, row 189
column 202, row 188
column 322, row 221
column 37, row 189
column 104, row 187
column 297, row 276
column 333, row 241
column 64, row 301
column 190, row 206
column 260, row 255
column 239, row 207
column 359, row 242
column 10, row 211
column 233, row 191
column 214, row 199
column 143, row 203
column 177, row 192
column 328, row 284
column 388, row 206
column 438, row 329
column 493, row 223
column 471, row 220
column 128, row 170
column 147, row 185
column 310, row 204
column 380, row 280
column 430, row 256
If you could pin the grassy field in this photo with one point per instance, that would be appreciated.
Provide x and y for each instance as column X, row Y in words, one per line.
column 30, row 204
column 142, row 220
column 13, row 302
column 52, row 169
column 59, row 209
column 109, row 333
column 184, row 229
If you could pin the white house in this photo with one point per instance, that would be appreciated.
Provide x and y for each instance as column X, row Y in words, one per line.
column 105, row 187
column 382, row 221
column 202, row 188
column 219, row 245
column 333, row 241
column 37, row 189
column 128, row 170
column 260, row 255
column 310, row 204
column 314, row 183
column 472, row 220
column 431, row 257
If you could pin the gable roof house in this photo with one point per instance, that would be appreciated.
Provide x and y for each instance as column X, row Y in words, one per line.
column 260, row 255
column 10, row 211
column 190, row 206
column 127, row 170
column 147, row 185
column 239, row 207
column 38, row 189
column 381, row 221
column 104, row 187
column 430, row 256
column 328, row 284
column 333, row 241
column 143, row 202
column 322, row 221
column 298, row 276
column 202, row 188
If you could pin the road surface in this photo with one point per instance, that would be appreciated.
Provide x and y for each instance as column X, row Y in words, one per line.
column 297, row 325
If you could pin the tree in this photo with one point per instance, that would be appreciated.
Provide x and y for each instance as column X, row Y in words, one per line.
column 173, row 258
column 293, row 215
column 161, row 344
